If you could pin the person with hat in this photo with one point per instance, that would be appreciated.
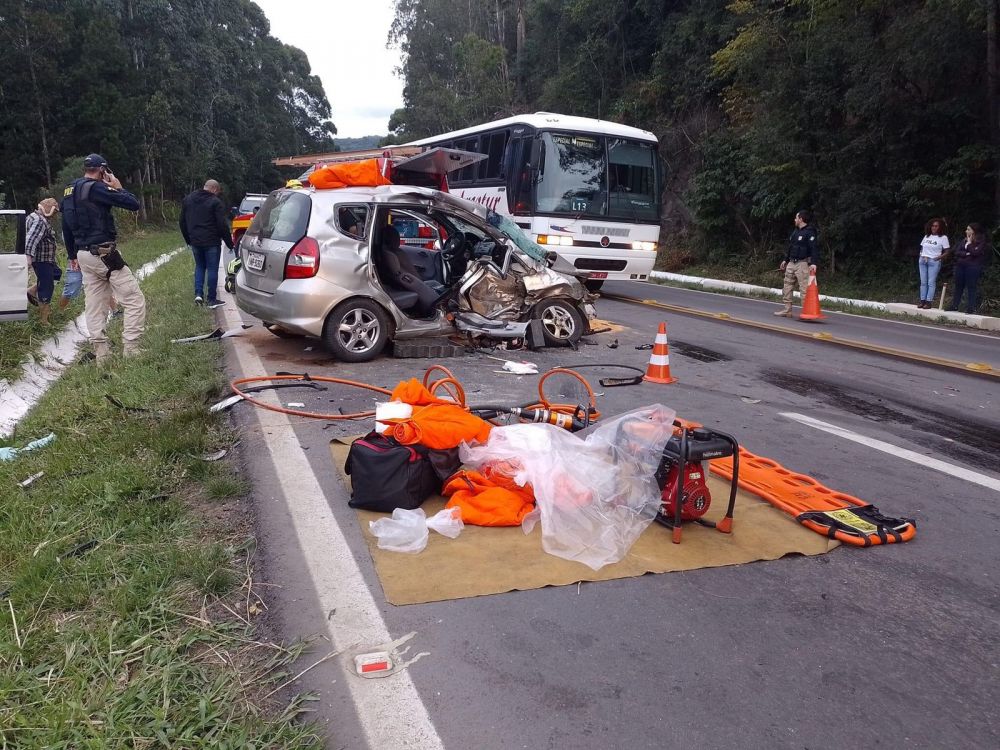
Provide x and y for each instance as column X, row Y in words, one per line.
column 91, row 240
column 40, row 252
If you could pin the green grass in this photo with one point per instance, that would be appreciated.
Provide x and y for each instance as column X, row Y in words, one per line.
column 22, row 337
column 126, row 600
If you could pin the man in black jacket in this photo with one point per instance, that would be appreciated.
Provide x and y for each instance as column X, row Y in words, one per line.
column 205, row 228
column 801, row 259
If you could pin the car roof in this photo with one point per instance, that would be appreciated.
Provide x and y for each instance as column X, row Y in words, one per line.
column 390, row 194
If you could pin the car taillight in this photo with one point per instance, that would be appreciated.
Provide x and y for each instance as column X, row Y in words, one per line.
column 303, row 260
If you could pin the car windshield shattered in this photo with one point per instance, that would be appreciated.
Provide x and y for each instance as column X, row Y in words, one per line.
column 514, row 232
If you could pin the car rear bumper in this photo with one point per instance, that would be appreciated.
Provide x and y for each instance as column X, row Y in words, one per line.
column 298, row 305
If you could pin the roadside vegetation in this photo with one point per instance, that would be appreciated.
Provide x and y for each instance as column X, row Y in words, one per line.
column 875, row 115
column 128, row 604
column 23, row 337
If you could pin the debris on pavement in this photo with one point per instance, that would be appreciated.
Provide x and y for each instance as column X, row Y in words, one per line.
column 226, row 403
column 218, row 333
column 644, row 347
column 613, row 344
column 748, row 400
column 520, row 368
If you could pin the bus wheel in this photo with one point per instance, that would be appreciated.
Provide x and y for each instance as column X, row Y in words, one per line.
column 594, row 285
column 562, row 323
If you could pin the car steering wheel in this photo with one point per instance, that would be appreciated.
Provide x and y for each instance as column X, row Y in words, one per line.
column 453, row 247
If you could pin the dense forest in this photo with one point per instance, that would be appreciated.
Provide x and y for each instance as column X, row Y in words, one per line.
column 876, row 114
column 169, row 91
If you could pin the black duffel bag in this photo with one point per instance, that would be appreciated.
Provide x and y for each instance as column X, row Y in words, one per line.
column 386, row 475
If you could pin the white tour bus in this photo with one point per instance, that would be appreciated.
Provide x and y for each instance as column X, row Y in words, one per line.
column 589, row 189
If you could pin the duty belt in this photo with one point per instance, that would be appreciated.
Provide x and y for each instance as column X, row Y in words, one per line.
column 102, row 249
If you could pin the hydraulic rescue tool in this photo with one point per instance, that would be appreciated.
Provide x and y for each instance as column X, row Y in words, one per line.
column 681, row 477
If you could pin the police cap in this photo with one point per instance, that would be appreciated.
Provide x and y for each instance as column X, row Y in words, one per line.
column 95, row 161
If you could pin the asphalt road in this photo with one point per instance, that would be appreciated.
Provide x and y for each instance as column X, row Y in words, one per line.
column 928, row 340
column 894, row 646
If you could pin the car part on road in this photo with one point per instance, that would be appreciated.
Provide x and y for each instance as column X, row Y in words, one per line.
column 615, row 381
column 681, row 477
column 832, row 514
column 426, row 348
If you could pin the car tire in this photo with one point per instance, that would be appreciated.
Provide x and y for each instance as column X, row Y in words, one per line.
column 594, row 285
column 562, row 323
column 357, row 330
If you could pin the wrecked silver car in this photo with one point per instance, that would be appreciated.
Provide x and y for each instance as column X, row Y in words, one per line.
column 361, row 266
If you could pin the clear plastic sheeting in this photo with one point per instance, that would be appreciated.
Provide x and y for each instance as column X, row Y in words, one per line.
column 407, row 530
column 595, row 491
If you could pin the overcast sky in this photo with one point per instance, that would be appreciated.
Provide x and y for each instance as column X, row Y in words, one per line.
column 345, row 42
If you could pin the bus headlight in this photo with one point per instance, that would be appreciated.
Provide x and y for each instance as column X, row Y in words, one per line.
column 554, row 239
column 649, row 246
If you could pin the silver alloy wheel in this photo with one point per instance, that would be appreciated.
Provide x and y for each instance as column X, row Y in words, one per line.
column 358, row 330
column 558, row 322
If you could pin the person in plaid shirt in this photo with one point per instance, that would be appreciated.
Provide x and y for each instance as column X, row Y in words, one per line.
column 40, row 250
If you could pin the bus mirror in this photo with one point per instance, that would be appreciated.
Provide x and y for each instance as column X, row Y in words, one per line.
column 536, row 154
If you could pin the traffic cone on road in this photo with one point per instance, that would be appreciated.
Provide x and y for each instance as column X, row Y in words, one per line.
column 658, row 370
column 810, row 305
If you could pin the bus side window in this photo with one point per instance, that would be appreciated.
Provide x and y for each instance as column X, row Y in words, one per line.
column 469, row 173
column 493, row 145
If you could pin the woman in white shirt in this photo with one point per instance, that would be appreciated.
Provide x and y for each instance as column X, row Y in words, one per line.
column 933, row 248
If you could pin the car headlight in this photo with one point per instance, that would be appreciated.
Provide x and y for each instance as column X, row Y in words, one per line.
column 649, row 246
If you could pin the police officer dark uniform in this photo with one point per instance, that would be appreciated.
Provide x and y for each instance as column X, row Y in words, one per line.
column 801, row 257
column 90, row 235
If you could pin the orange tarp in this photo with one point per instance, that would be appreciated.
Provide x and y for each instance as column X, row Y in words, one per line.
column 413, row 392
column 493, row 500
column 439, row 426
column 366, row 173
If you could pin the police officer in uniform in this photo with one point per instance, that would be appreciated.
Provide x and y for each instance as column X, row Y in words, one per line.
column 801, row 258
column 90, row 235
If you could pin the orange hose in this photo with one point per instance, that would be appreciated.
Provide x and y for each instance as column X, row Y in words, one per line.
column 449, row 383
column 298, row 412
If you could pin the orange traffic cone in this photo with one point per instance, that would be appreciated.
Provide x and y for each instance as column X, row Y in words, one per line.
column 658, row 370
column 810, row 305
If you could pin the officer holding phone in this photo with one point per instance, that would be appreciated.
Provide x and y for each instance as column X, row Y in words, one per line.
column 91, row 239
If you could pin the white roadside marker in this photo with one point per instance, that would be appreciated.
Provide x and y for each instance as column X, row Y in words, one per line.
column 918, row 458
column 390, row 710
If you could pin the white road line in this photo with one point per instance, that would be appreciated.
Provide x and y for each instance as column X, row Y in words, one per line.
column 390, row 710
column 918, row 458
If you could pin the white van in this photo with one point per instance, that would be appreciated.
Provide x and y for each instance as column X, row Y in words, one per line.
column 13, row 267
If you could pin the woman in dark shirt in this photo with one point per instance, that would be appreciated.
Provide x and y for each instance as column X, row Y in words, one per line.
column 970, row 255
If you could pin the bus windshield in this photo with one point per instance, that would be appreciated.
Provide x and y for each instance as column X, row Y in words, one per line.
column 589, row 175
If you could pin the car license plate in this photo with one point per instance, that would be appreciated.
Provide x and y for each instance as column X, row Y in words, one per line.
column 255, row 261
column 599, row 275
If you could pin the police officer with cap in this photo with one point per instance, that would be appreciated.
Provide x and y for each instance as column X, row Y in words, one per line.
column 90, row 235
column 800, row 260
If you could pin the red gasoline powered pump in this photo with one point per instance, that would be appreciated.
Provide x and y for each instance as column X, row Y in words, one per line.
column 681, row 478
